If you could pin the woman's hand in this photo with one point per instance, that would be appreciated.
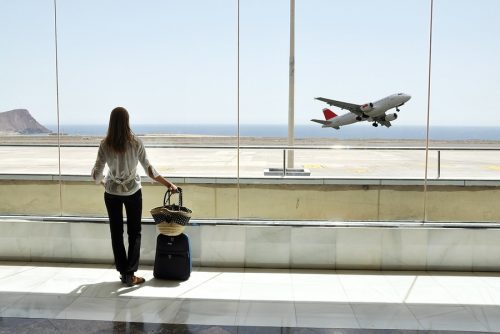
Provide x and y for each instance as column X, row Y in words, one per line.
column 173, row 188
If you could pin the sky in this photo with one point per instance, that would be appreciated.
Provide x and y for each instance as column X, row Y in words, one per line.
column 175, row 62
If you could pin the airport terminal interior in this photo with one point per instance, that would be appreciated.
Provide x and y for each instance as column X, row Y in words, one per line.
column 377, row 222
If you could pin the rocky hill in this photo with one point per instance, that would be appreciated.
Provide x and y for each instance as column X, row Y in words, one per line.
column 20, row 121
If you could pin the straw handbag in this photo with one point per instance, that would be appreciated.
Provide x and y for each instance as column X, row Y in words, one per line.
column 171, row 219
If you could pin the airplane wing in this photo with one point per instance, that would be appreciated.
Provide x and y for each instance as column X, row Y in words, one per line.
column 354, row 108
column 342, row 105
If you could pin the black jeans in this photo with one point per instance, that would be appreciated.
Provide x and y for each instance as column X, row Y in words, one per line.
column 133, row 207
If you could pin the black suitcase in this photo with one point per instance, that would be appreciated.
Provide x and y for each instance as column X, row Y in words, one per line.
column 173, row 257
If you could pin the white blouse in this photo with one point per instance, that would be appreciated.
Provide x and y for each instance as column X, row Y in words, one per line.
column 122, row 178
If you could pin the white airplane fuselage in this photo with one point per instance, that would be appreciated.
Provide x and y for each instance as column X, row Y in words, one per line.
column 370, row 111
column 387, row 103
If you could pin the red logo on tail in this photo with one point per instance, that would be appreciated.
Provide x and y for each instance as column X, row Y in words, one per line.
column 329, row 114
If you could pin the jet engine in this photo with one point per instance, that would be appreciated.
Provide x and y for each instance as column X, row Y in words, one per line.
column 367, row 107
column 390, row 117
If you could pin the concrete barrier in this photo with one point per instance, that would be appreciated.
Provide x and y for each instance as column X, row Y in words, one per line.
column 270, row 199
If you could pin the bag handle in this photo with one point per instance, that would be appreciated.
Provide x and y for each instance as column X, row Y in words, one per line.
column 166, row 199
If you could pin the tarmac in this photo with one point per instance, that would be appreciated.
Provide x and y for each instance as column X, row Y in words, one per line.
column 199, row 156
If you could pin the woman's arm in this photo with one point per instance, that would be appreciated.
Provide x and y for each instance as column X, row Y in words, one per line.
column 162, row 180
column 99, row 166
column 152, row 173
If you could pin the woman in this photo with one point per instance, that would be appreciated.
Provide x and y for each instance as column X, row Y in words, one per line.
column 122, row 151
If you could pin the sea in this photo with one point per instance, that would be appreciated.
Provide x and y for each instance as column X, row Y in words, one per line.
column 352, row 132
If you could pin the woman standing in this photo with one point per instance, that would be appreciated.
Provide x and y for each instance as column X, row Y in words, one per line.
column 122, row 151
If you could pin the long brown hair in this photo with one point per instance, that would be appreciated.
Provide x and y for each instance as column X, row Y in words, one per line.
column 119, row 135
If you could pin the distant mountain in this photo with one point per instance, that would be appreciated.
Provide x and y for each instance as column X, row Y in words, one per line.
column 20, row 121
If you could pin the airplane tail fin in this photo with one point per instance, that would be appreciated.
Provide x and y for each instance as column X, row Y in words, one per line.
column 329, row 114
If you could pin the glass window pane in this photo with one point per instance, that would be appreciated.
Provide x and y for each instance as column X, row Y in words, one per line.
column 29, row 161
column 172, row 65
column 344, row 54
column 264, row 54
column 464, row 128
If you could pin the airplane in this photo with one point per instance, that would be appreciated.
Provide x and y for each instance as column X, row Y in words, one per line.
column 371, row 112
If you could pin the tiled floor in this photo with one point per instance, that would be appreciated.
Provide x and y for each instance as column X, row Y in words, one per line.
column 236, row 299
